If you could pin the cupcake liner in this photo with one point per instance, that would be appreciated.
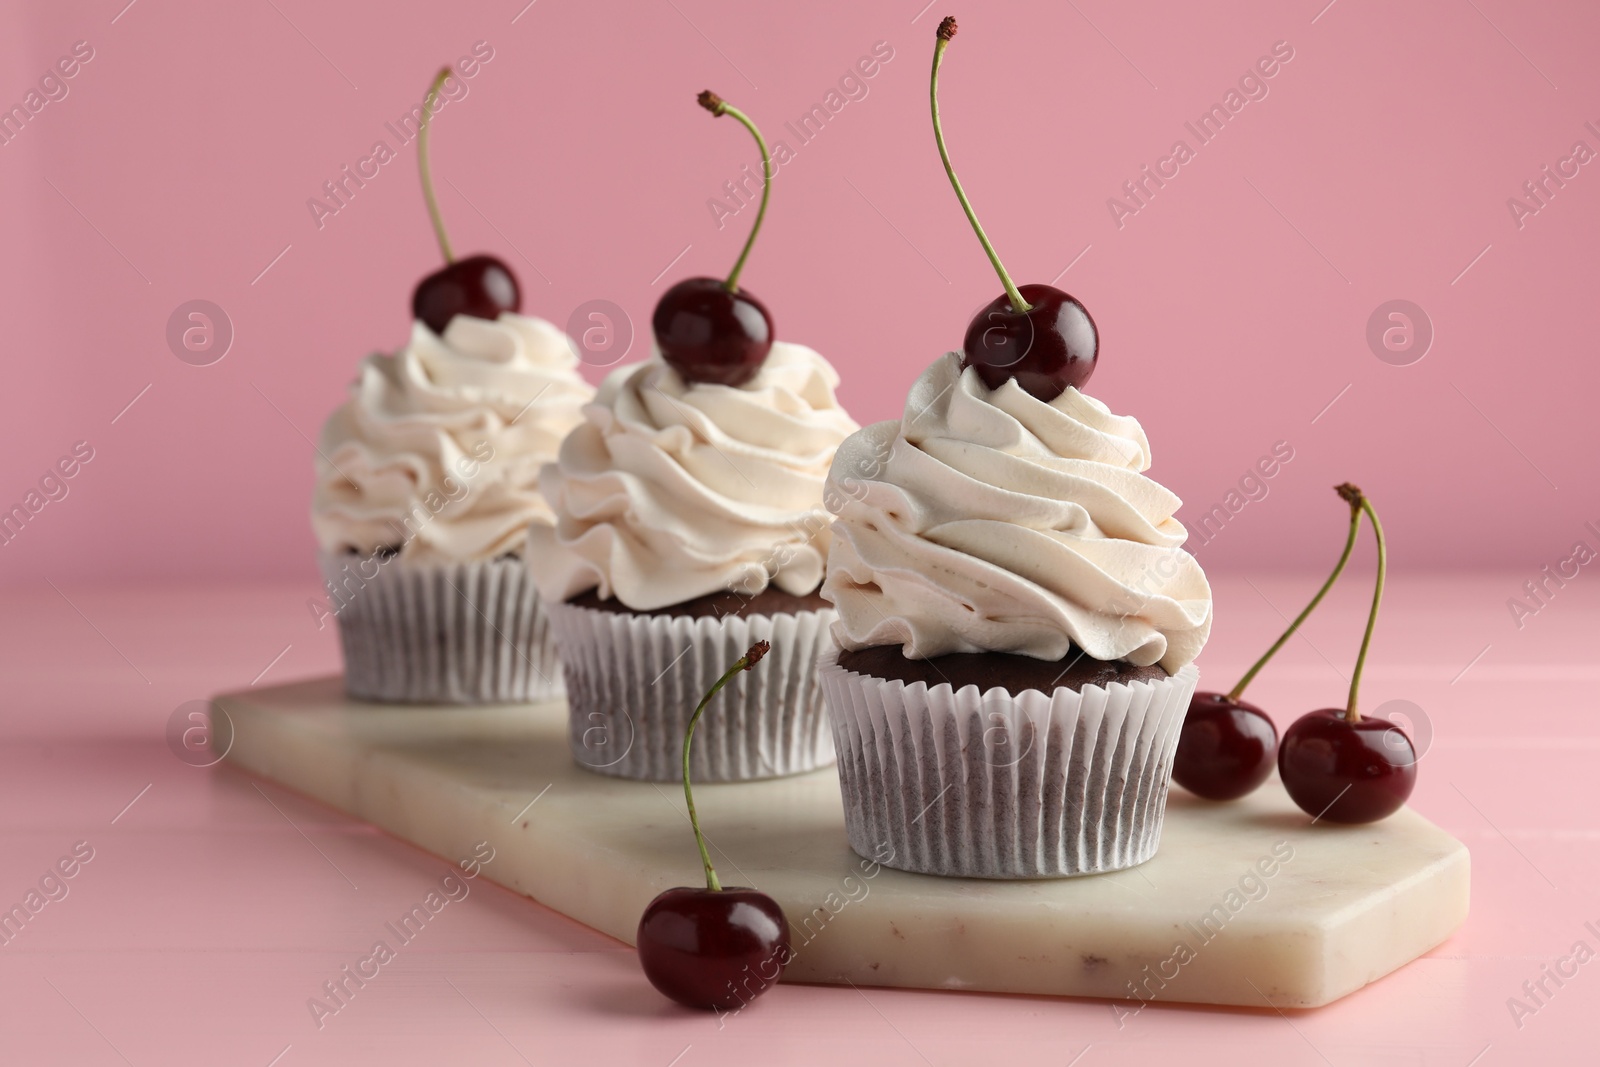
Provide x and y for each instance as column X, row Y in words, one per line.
column 461, row 633
column 991, row 785
column 633, row 681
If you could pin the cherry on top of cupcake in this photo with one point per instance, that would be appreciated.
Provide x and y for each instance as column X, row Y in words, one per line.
column 481, row 286
column 1036, row 335
column 709, row 330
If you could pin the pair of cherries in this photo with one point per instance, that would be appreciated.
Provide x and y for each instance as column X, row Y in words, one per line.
column 1334, row 768
column 1335, row 764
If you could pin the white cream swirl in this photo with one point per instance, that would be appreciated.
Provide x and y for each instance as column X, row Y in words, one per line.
column 990, row 521
column 438, row 449
column 671, row 491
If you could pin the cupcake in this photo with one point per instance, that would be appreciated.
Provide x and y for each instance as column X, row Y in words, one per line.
column 1017, row 625
column 689, row 525
column 428, row 482
column 427, row 486
column 1017, row 618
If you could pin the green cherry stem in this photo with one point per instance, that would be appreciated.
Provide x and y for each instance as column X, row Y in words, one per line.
column 1349, row 546
column 947, row 30
column 1358, row 499
column 719, row 107
column 423, row 126
column 743, row 663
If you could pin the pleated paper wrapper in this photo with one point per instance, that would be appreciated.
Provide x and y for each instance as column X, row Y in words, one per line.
column 633, row 681
column 990, row 785
column 463, row 633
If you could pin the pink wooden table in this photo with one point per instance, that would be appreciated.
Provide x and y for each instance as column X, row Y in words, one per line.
column 214, row 906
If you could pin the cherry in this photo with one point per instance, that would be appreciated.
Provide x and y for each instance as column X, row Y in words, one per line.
column 481, row 286
column 1335, row 764
column 1347, row 772
column 709, row 331
column 713, row 948
column 1037, row 335
column 1226, row 748
column 1047, row 348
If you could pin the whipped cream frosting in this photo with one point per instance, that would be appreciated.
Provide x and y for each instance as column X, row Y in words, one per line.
column 990, row 521
column 670, row 491
column 438, row 450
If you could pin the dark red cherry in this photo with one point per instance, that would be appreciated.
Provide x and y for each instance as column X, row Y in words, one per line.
column 1047, row 348
column 1349, row 772
column 708, row 334
column 480, row 286
column 1226, row 749
column 713, row 948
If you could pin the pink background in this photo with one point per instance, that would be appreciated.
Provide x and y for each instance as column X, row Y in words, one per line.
column 1233, row 310
column 1391, row 142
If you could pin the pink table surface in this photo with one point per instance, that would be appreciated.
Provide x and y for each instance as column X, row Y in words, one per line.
column 215, row 905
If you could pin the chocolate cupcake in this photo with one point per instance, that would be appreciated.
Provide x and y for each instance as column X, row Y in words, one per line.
column 689, row 525
column 1017, row 625
column 427, row 483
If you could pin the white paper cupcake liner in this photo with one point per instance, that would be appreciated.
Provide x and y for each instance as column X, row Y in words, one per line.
column 991, row 785
column 464, row 633
column 634, row 680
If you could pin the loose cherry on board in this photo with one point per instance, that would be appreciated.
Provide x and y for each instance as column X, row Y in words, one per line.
column 1335, row 764
column 1344, row 771
column 1228, row 747
column 713, row 948
column 480, row 286
column 712, row 331
column 1036, row 335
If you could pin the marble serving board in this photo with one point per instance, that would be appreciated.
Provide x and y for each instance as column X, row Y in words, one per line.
column 1246, row 904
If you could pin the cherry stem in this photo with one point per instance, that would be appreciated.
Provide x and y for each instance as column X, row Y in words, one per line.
column 947, row 30
column 719, row 107
column 743, row 663
column 1351, row 714
column 1349, row 546
column 423, row 126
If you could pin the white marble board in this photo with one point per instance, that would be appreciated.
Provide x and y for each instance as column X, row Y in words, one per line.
column 1246, row 904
